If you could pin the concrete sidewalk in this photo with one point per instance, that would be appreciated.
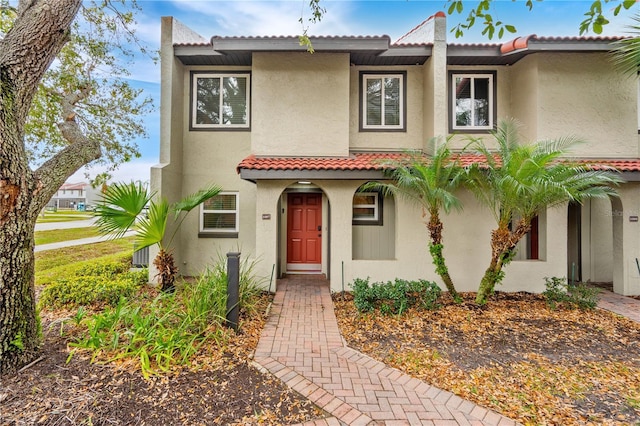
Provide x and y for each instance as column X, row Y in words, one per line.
column 48, row 226
column 301, row 345
column 78, row 242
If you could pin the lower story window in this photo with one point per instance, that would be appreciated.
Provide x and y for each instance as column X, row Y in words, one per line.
column 367, row 208
column 219, row 215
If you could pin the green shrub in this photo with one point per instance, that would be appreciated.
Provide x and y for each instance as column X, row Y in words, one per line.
column 46, row 275
column 85, row 290
column 583, row 296
column 556, row 291
column 559, row 293
column 108, row 268
column 102, row 281
column 394, row 297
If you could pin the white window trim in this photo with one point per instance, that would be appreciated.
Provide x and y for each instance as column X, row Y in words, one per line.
column 383, row 126
column 375, row 206
column 219, row 230
column 455, row 75
column 194, row 101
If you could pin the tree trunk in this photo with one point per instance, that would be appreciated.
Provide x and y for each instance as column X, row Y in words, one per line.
column 435, row 226
column 39, row 32
column 488, row 282
column 167, row 270
column 503, row 244
column 19, row 326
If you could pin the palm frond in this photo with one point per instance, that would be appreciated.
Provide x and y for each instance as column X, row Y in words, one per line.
column 429, row 182
column 193, row 200
column 626, row 52
column 119, row 207
column 151, row 229
column 528, row 178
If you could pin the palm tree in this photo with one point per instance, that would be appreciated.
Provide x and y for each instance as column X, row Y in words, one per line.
column 120, row 209
column 626, row 52
column 519, row 180
column 430, row 183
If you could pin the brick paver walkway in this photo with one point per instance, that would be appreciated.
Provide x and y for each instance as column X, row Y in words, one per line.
column 621, row 305
column 301, row 344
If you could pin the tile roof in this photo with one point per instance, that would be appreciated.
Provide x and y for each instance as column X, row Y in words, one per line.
column 622, row 165
column 375, row 160
column 520, row 43
column 355, row 161
column 73, row 186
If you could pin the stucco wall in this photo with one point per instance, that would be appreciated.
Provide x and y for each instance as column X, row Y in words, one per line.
column 466, row 239
column 598, row 248
column 582, row 95
column 626, row 251
column 212, row 158
column 166, row 177
column 206, row 157
column 300, row 104
column 523, row 95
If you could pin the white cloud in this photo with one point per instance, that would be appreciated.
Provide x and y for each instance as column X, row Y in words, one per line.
column 259, row 18
column 137, row 170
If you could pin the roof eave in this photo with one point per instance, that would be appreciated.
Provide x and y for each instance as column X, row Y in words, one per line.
column 292, row 44
column 254, row 175
column 569, row 46
column 424, row 50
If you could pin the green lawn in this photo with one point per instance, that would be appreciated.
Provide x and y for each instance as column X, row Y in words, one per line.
column 54, row 264
column 63, row 216
column 57, row 235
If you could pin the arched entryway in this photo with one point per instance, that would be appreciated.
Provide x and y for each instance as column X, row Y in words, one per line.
column 303, row 246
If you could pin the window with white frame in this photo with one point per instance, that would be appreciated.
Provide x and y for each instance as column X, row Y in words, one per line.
column 472, row 101
column 383, row 101
column 367, row 208
column 220, row 214
column 220, row 101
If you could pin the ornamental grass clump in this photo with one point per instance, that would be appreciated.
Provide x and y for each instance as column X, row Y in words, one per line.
column 170, row 329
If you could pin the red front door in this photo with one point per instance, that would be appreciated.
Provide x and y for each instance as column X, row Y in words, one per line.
column 304, row 232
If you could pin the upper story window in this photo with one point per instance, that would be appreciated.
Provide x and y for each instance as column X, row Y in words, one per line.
column 220, row 101
column 472, row 101
column 383, row 101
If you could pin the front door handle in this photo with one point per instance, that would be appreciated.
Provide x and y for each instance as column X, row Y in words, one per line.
column 319, row 228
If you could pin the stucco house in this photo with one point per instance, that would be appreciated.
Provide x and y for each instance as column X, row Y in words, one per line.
column 74, row 196
column 291, row 136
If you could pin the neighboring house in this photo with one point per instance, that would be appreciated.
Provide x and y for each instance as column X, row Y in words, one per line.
column 75, row 196
column 291, row 136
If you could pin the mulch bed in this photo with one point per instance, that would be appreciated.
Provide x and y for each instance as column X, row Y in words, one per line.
column 514, row 355
column 224, row 389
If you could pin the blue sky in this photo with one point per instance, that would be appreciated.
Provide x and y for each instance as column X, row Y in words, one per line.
column 343, row 17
